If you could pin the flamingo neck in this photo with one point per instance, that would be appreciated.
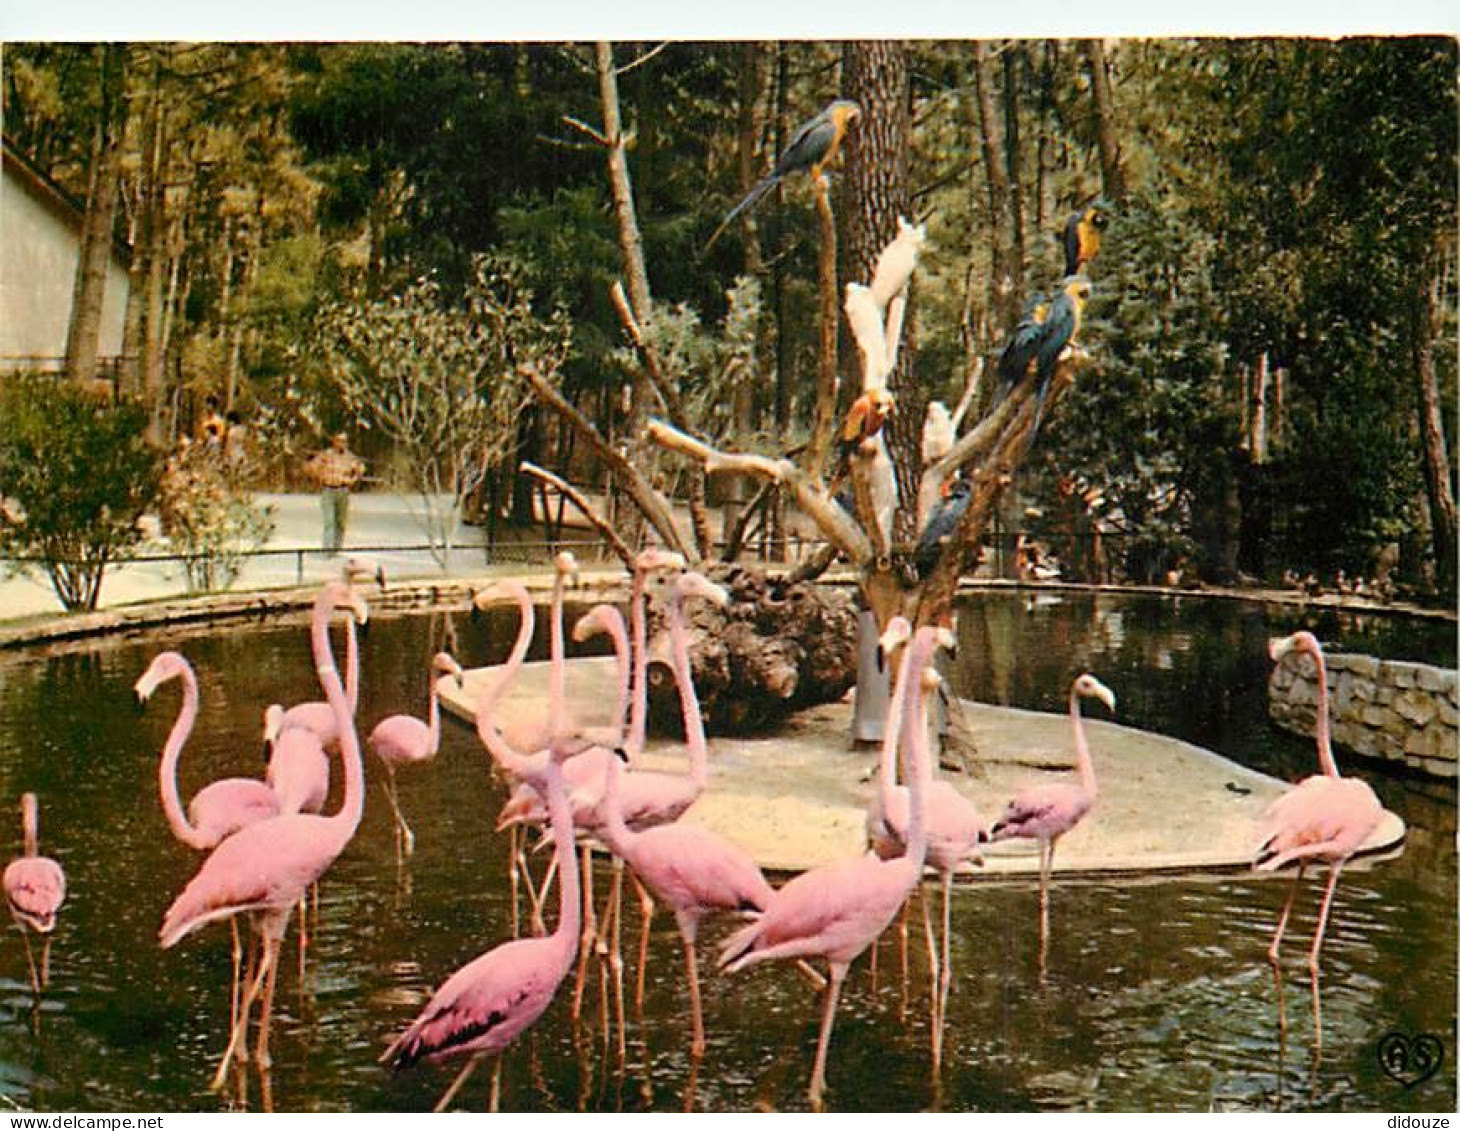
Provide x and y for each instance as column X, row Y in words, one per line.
column 614, row 831
column 352, row 806
column 1320, row 727
column 892, row 734
column 352, row 665
column 557, row 662
column 615, row 626
column 182, row 727
column 510, row 760
column 919, row 770
column 30, row 824
column 433, row 713
column 639, row 706
column 1083, row 762
column 689, row 702
column 561, row 817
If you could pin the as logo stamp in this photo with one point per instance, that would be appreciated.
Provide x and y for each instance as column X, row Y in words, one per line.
column 1410, row 1060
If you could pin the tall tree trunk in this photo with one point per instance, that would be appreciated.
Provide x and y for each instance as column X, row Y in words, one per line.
column 1112, row 176
column 1432, row 431
column 89, row 293
column 1003, row 295
column 1013, row 63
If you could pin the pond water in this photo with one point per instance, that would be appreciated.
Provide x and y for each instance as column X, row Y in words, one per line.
column 1158, row 994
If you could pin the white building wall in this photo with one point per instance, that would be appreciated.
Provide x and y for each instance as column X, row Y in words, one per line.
column 38, row 251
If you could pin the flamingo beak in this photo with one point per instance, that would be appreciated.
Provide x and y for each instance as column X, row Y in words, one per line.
column 1278, row 647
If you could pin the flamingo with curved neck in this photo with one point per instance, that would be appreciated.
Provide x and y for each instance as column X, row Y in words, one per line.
column 404, row 740
column 1325, row 817
column 1047, row 811
column 265, row 869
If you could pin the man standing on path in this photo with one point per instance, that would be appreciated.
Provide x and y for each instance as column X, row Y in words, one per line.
column 336, row 469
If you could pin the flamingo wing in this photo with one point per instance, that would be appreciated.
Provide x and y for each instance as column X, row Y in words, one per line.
column 35, row 888
column 688, row 866
column 1042, row 811
column 219, row 810
column 484, row 1005
column 400, row 739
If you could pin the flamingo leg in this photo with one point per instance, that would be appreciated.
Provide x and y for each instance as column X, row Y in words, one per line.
column 35, row 981
column 513, row 880
column 239, row 1028
column 272, row 946
column 250, row 970
column 589, row 931
column 811, row 974
column 646, row 906
column 932, row 945
column 945, row 975
column 539, row 928
column 1046, row 865
column 1277, row 937
column 494, row 1101
column 687, row 931
column 461, row 1078
column 404, row 836
column 46, row 962
column 872, row 962
column 902, row 952
column 837, row 971
column 1313, row 967
column 237, row 962
column 615, row 953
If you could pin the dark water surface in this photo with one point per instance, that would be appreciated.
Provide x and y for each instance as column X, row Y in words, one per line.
column 1158, row 996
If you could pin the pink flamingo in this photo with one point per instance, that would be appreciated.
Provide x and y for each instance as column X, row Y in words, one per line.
column 265, row 869
column 404, row 740
column 690, row 869
column 299, row 770
column 317, row 716
column 1323, row 818
column 837, row 910
column 1047, row 811
column 217, row 810
column 956, row 834
column 35, row 888
column 486, row 1004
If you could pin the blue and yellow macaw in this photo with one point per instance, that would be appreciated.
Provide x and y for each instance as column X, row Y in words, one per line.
column 1061, row 325
column 812, row 148
column 952, row 502
column 1019, row 351
column 1082, row 237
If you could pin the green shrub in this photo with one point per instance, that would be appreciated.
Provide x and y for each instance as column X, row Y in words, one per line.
column 76, row 473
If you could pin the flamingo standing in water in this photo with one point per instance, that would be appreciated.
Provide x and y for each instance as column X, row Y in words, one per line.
column 266, row 868
column 1323, row 818
column 690, row 869
column 956, row 834
column 486, row 1004
column 1047, row 811
column 35, row 888
column 404, row 740
column 836, row 911
column 217, row 810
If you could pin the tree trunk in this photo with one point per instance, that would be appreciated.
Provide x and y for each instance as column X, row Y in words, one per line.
column 1013, row 58
column 1432, row 431
column 89, row 292
column 1112, row 176
column 875, row 74
column 1003, row 293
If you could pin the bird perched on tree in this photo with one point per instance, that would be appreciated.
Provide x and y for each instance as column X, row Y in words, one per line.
column 1082, row 237
column 863, row 421
column 1019, row 350
column 812, row 148
column 941, row 525
column 1061, row 325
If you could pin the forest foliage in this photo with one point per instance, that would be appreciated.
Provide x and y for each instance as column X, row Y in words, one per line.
column 1278, row 206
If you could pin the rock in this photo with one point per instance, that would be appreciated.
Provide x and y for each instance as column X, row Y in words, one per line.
column 1376, row 716
column 1398, row 673
column 1366, row 666
column 1435, row 679
column 1415, row 706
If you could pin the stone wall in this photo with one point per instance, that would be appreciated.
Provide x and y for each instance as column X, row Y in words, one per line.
column 1391, row 709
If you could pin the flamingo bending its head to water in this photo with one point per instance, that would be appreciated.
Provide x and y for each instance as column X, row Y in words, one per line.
column 487, row 1003
column 1045, row 812
column 404, row 740
column 1323, row 818
column 837, row 911
column 35, row 888
column 265, row 869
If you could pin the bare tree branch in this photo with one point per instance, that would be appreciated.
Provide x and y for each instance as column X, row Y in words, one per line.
column 579, row 500
column 597, row 135
column 649, row 501
column 810, row 495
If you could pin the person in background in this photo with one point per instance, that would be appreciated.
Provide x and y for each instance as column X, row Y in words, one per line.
column 337, row 470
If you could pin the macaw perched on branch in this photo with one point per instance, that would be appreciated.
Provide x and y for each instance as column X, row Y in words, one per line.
column 1061, row 325
column 812, row 147
column 864, row 420
column 1082, row 237
column 1019, row 351
column 953, row 501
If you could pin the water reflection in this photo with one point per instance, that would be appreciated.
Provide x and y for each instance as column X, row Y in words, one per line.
column 1158, row 996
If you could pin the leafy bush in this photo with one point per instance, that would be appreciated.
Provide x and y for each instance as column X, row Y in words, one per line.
column 75, row 475
column 208, row 514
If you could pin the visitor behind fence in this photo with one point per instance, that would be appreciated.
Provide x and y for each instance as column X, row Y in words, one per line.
column 336, row 469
